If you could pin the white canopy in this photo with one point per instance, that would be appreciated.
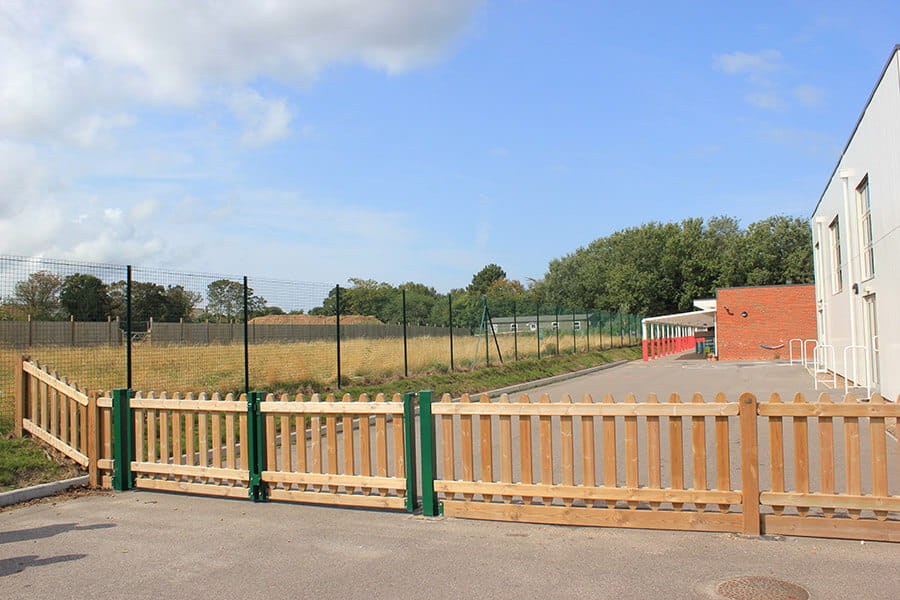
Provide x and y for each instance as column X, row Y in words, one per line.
column 695, row 319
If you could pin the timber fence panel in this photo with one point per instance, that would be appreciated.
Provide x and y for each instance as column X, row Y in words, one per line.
column 837, row 482
column 173, row 446
column 566, row 436
column 338, row 470
column 53, row 410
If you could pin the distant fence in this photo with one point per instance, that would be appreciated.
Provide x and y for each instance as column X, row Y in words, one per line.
column 26, row 334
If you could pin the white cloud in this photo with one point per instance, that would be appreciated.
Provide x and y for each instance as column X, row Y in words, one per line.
column 77, row 77
column 755, row 65
column 809, row 95
column 768, row 99
column 264, row 120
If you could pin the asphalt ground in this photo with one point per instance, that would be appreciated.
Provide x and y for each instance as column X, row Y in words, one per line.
column 143, row 544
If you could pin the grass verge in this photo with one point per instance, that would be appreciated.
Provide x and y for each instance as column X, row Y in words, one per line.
column 25, row 462
column 479, row 380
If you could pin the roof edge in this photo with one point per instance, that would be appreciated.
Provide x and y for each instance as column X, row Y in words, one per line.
column 855, row 127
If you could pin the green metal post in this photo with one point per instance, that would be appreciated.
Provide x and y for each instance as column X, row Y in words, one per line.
column 337, row 330
column 515, row 333
column 246, row 340
column 574, row 343
column 256, row 443
column 538, row 319
column 588, row 331
column 409, row 443
column 430, row 505
column 123, row 440
column 450, row 306
column 128, row 332
column 557, row 329
column 487, row 338
column 405, row 356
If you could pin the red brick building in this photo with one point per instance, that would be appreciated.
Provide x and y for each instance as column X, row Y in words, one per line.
column 747, row 317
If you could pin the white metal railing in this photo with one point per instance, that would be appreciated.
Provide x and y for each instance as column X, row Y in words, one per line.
column 806, row 355
column 821, row 365
column 855, row 376
column 791, row 351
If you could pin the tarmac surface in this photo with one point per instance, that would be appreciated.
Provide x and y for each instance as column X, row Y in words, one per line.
column 143, row 544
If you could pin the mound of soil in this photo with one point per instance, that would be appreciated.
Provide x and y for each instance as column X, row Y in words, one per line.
column 313, row 320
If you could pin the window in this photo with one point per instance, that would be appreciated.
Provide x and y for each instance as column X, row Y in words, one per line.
column 577, row 325
column 837, row 277
column 865, row 229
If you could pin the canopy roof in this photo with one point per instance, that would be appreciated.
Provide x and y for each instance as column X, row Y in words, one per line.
column 696, row 318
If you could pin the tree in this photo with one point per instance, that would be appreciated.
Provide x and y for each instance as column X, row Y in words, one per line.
column 180, row 303
column 226, row 300
column 661, row 268
column 483, row 279
column 38, row 296
column 85, row 298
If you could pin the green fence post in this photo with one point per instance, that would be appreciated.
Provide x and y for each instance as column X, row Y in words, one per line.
column 405, row 355
column 256, row 442
column 123, row 440
column 450, row 310
column 409, row 435
column 430, row 505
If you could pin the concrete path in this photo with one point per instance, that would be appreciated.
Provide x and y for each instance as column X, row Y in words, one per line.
column 154, row 545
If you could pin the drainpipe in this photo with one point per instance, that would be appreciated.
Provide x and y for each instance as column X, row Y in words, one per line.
column 851, row 277
column 820, row 288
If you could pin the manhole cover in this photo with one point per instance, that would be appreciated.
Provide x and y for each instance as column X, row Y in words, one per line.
column 761, row 588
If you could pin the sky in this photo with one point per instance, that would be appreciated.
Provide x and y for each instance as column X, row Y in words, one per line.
column 413, row 140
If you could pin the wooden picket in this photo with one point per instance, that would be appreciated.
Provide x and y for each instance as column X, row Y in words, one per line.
column 864, row 508
column 569, row 495
column 341, row 474
column 53, row 410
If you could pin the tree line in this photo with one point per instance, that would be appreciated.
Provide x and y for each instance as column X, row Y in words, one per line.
column 48, row 296
column 660, row 268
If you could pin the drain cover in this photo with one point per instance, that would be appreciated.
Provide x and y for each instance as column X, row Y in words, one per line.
column 761, row 588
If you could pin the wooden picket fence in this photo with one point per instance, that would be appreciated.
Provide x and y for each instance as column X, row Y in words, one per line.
column 55, row 411
column 831, row 470
column 601, row 463
column 546, row 477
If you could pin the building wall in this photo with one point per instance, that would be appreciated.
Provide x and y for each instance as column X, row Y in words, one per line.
column 774, row 315
column 873, row 152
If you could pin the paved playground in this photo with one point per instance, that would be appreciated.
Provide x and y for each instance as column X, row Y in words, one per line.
column 143, row 544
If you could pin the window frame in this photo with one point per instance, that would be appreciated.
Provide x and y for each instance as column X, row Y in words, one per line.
column 837, row 272
column 864, row 218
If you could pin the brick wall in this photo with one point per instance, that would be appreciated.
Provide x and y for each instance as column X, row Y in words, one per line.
column 775, row 315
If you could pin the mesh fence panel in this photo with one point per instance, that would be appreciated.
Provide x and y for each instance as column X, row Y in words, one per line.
column 60, row 314
column 187, row 330
column 289, row 348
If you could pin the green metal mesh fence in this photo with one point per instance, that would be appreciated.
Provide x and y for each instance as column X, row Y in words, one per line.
column 110, row 326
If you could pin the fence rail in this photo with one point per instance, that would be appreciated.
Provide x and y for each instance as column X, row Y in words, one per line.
column 672, row 464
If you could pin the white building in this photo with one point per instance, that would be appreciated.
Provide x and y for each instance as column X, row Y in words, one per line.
column 856, row 243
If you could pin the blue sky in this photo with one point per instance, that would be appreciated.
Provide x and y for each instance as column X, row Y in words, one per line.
column 411, row 139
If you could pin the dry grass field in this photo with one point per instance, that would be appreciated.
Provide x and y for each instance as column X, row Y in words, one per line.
column 209, row 368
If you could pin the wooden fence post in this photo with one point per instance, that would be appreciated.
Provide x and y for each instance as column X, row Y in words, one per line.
column 749, row 465
column 93, row 439
column 21, row 392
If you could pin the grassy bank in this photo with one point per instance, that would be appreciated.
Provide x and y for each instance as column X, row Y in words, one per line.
column 482, row 379
column 25, row 462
